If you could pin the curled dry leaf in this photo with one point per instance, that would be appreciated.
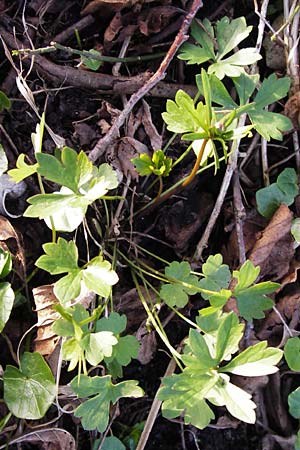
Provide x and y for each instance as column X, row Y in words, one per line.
column 150, row 128
column 113, row 28
column 274, row 250
column 96, row 5
column 48, row 439
column 46, row 340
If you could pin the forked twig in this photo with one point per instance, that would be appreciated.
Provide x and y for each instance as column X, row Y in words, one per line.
column 159, row 75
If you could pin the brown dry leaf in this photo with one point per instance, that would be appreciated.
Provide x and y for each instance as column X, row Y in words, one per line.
column 289, row 308
column 292, row 109
column 46, row 340
column 96, row 5
column 148, row 344
column 15, row 246
column 113, row 28
column 130, row 304
column 150, row 128
column 274, row 250
column 155, row 20
column 84, row 133
column 49, row 439
column 127, row 149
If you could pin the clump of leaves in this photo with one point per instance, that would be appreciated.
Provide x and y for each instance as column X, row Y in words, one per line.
column 82, row 184
column 62, row 257
column 158, row 164
column 285, row 189
column 251, row 298
column 214, row 43
column 204, row 379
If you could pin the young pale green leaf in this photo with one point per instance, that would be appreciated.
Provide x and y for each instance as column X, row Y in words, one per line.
column 33, row 378
column 37, row 137
column 72, row 351
column 184, row 395
column 98, row 345
column 230, row 33
column 7, row 297
column 234, row 65
column 23, row 169
column 285, row 189
column 256, row 360
column 99, row 276
column 295, row 229
column 237, row 401
column 159, row 164
column 91, row 63
column 182, row 115
column 68, row 287
column 102, row 181
column 45, row 205
column 143, row 164
column 94, row 412
column 179, row 274
column 246, row 275
column 292, row 353
column 223, row 336
column 59, row 257
column 294, row 403
column 216, row 275
column 66, row 219
column 199, row 350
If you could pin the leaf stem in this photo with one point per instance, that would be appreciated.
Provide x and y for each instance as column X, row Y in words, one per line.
column 193, row 173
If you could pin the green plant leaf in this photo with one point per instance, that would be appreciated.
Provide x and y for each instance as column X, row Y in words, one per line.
column 237, row 401
column 99, row 276
column 295, row 229
column 200, row 353
column 94, row 412
column 294, row 403
column 256, row 360
column 297, row 442
column 98, row 345
column 33, row 378
column 72, row 171
column 252, row 300
column 5, row 102
column 110, row 443
column 183, row 395
column 285, row 189
column 23, row 169
column 159, row 164
column 90, row 63
column 68, row 287
column 179, row 274
column 245, row 85
column 7, row 297
column 292, row 353
column 216, row 275
column 270, row 125
column 5, row 263
column 59, row 257
column 198, row 54
column 116, row 323
column 230, row 33
column 45, row 205
column 182, row 115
